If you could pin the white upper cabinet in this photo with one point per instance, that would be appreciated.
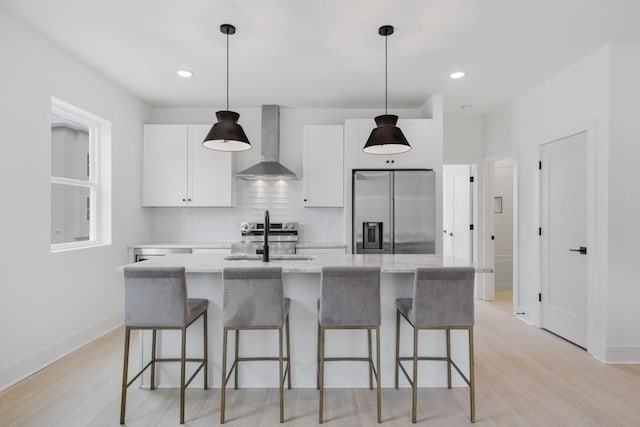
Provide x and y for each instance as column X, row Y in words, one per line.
column 179, row 171
column 323, row 167
column 419, row 133
column 211, row 172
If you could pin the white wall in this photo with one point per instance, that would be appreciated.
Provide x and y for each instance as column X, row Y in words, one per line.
column 221, row 224
column 503, row 231
column 623, row 293
column 53, row 303
column 572, row 100
column 463, row 138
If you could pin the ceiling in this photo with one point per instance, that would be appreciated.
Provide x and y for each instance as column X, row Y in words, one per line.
column 327, row 53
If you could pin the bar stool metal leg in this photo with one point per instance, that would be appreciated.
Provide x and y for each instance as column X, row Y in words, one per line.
column 448, row 331
column 125, row 371
column 288, row 354
column 183, row 357
column 206, row 352
column 236, row 364
column 370, row 361
column 281, row 375
column 321, row 381
column 472, row 383
column 379, row 391
column 153, row 359
column 397, row 345
column 223, row 386
column 318, row 360
column 414, row 405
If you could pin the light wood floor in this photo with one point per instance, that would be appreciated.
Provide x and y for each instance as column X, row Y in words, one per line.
column 524, row 377
column 504, row 298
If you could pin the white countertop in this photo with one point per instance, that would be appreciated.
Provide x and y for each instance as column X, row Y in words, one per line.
column 214, row 263
column 181, row 245
column 227, row 245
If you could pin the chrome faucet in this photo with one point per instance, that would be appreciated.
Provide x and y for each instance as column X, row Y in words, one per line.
column 265, row 247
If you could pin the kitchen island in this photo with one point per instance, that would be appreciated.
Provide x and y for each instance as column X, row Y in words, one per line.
column 302, row 284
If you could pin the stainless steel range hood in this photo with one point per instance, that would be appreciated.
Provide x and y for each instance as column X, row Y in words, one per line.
column 269, row 168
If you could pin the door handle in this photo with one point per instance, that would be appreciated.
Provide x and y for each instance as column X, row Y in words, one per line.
column 582, row 250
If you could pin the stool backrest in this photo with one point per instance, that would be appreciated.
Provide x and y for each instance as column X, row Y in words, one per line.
column 443, row 297
column 350, row 296
column 253, row 296
column 155, row 297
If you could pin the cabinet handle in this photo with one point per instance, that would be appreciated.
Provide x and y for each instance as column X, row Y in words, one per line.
column 305, row 200
column 188, row 200
column 184, row 200
column 387, row 161
column 393, row 161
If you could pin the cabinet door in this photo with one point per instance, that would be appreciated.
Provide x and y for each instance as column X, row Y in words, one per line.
column 164, row 168
column 323, row 168
column 364, row 160
column 418, row 133
column 211, row 180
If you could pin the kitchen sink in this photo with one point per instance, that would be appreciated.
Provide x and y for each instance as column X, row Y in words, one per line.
column 245, row 257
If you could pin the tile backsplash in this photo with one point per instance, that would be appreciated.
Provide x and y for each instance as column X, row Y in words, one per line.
column 283, row 199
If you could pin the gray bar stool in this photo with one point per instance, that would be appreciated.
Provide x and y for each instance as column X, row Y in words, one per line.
column 349, row 299
column 156, row 298
column 442, row 299
column 253, row 299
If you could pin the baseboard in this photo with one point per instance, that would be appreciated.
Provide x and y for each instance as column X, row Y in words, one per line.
column 622, row 355
column 31, row 364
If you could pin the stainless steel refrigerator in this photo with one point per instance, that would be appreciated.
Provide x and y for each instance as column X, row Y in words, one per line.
column 394, row 211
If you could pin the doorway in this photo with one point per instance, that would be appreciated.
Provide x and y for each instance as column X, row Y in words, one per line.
column 503, row 230
column 565, row 252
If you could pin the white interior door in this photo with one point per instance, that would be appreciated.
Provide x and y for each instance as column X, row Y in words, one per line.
column 457, row 211
column 462, row 215
column 564, row 233
column 447, row 216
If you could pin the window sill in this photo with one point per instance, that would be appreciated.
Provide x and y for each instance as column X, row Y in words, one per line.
column 66, row 247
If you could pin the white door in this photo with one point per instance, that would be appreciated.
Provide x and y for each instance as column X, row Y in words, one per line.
column 457, row 211
column 447, row 214
column 564, row 233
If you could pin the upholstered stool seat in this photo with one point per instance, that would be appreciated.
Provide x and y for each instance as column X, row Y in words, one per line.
column 156, row 298
column 253, row 298
column 442, row 299
column 350, row 299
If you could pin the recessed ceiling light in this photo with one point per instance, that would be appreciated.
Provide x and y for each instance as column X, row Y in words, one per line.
column 185, row 73
column 457, row 75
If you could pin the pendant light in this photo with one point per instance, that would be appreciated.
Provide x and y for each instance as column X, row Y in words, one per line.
column 227, row 134
column 386, row 138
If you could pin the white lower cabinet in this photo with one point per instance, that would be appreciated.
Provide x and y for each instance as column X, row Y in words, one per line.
column 322, row 166
column 318, row 251
column 179, row 171
column 210, row 251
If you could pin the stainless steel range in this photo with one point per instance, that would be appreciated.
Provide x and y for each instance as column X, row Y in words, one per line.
column 283, row 237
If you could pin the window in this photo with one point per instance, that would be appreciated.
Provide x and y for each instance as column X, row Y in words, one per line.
column 80, row 178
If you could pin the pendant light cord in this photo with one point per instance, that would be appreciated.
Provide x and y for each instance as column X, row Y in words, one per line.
column 385, row 75
column 227, row 71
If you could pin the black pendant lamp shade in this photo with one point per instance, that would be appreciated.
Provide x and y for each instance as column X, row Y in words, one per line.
column 386, row 138
column 227, row 134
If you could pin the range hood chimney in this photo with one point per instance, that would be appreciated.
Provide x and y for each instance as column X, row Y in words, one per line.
column 269, row 168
